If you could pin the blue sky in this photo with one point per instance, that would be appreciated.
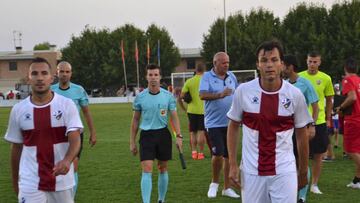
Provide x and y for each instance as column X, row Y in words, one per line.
column 57, row 20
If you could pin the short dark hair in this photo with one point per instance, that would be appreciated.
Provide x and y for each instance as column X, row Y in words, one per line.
column 200, row 68
column 40, row 60
column 290, row 59
column 270, row 45
column 152, row 66
column 314, row 54
column 351, row 65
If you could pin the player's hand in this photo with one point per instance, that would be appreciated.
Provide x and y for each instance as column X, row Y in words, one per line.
column 311, row 130
column 133, row 149
column 92, row 139
column 234, row 176
column 61, row 168
column 227, row 92
column 302, row 180
column 179, row 143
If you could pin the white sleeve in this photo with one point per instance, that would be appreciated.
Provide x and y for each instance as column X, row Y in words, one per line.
column 236, row 110
column 301, row 114
column 72, row 118
column 13, row 132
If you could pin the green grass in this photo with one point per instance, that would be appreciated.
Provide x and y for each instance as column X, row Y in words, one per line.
column 109, row 173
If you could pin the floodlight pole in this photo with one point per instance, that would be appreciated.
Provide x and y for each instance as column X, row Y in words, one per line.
column 225, row 41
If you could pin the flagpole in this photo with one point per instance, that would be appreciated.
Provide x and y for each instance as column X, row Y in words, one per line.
column 123, row 61
column 158, row 53
column 137, row 64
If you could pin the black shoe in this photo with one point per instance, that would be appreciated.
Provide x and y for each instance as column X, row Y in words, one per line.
column 301, row 201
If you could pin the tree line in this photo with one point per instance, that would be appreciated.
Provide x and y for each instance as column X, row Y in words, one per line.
column 335, row 33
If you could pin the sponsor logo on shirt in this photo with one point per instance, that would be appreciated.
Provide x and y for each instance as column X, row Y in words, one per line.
column 162, row 112
column 318, row 82
column 27, row 117
column 286, row 102
column 58, row 114
column 255, row 100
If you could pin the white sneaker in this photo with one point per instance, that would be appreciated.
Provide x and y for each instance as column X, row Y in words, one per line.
column 315, row 189
column 213, row 188
column 230, row 193
column 353, row 185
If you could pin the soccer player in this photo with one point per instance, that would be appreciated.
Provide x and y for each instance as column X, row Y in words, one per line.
column 216, row 88
column 153, row 106
column 290, row 73
column 195, row 112
column 270, row 109
column 44, row 132
column 325, row 91
column 351, row 89
column 80, row 98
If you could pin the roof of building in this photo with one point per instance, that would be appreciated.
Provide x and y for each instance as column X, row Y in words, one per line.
column 190, row 53
column 22, row 55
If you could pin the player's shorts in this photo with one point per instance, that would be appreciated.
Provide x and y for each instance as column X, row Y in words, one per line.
column 81, row 145
column 336, row 123
column 39, row 196
column 279, row 188
column 320, row 142
column 155, row 144
column 351, row 137
column 218, row 141
column 196, row 122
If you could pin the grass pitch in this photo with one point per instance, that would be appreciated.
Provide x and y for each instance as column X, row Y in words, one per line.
column 109, row 173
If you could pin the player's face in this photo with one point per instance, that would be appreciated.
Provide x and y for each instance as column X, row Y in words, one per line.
column 269, row 64
column 40, row 78
column 313, row 64
column 222, row 64
column 64, row 74
column 153, row 77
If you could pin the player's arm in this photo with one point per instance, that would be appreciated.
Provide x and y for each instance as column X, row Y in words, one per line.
column 16, row 150
column 134, row 130
column 349, row 101
column 328, row 109
column 176, row 124
column 90, row 124
column 63, row 166
column 213, row 96
column 303, row 151
column 232, row 142
column 315, row 113
column 180, row 101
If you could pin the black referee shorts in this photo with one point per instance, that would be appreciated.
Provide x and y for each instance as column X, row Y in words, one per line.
column 196, row 122
column 155, row 144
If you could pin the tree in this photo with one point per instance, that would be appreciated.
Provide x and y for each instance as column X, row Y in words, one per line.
column 42, row 46
column 96, row 55
column 243, row 36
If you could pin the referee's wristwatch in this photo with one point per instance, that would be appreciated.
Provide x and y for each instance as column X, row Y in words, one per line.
column 179, row 136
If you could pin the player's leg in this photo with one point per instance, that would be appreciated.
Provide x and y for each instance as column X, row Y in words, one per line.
column 163, row 154
column 216, row 160
column 60, row 196
column 283, row 187
column 192, row 131
column 32, row 197
column 254, row 188
column 200, row 135
column 147, row 151
column 352, row 148
column 318, row 146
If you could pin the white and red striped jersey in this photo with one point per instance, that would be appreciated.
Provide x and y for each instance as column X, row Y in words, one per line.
column 43, row 132
column 268, row 121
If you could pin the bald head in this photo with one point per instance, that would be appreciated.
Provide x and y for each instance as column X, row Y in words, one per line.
column 219, row 55
column 221, row 63
column 64, row 73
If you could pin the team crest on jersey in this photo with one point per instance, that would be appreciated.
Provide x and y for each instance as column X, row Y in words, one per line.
column 318, row 82
column 286, row 102
column 255, row 100
column 58, row 114
column 162, row 112
column 27, row 117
